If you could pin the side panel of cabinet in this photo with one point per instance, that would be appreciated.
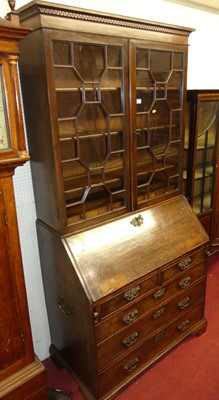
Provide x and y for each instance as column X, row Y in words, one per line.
column 69, row 308
column 37, row 117
column 11, row 335
column 16, row 343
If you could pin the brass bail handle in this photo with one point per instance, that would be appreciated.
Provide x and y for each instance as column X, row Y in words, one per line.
column 137, row 221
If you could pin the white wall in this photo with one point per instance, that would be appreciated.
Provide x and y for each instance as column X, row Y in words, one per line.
column 203, row 73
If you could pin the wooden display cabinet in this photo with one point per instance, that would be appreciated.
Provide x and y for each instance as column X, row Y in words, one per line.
column 201, row 177
column 22, row 375
column 122, row 253
column 111, row 113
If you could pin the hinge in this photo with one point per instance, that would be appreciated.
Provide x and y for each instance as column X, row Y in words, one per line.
column 22, row 336
column 6, row 219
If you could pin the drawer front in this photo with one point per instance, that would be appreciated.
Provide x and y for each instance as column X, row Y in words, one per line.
column 123, row 369
column 139, row 307
column 129, row 295
column 119, row 344
column 182, row 265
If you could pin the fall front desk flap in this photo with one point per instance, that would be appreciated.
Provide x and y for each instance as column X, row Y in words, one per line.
column 111, row 256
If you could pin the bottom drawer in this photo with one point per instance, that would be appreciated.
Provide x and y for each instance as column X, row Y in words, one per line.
column 149, row 351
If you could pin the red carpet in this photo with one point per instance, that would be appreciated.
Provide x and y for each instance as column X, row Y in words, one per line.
column 189, row 372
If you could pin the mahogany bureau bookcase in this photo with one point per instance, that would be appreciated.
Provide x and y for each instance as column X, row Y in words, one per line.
column 123, row 255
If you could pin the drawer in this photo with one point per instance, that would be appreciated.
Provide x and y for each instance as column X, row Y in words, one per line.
column 182, row 282
column 129, row 337
column 161, row 294
column 182, row 265
column 136, row 360
column 129, row 295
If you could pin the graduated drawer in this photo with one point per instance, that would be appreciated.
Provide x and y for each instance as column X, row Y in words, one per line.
column 119, row 344
column 148, row 352
column 156, row 297
column 128, row 295
column 182, row 265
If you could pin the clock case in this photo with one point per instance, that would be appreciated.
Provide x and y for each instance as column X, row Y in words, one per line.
column 22, row 375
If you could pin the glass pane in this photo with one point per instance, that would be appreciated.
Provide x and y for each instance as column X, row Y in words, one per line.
column 145, row 160
column 111, row 78
column 160, row 64
column 144, row 100
column 62, row 53
column 66, row 128
column 68, row 149
column 142, row 59
column 4, row 136
column 116, row 141
column 111, row 101
column 66, row 78
column 116, row 123
column 175, row 90
column 207, row 198
column 89, row 61
column 171, row 159
column 160, row 114
column 159, row 140
column 207, row 115
column 176, row 128
column 114, row 56
column 207, row 132
column 142, row 138
column 178, row 61
column 144, row 79
column 91, row 119
column 68, row 103
column 198, row 190
column 158, row 184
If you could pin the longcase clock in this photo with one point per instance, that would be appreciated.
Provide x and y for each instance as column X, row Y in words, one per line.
column 22, row 375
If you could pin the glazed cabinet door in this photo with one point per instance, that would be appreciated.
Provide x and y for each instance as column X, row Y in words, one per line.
column 205, row 151
column 11, row 335
column 157, row 88
column 89, row 82
column 201, row 158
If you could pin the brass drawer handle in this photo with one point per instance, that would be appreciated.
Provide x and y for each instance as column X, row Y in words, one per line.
column 184, row 283
column 137, row 221
column 131, row 365
column 130, row 317
column 132, row 293
column 159, row 293
column 183, row 326
column 159, row 313
column 184, row 264
column 96, row 316
column 159, row 337
column 130, row 340
column 184, row 303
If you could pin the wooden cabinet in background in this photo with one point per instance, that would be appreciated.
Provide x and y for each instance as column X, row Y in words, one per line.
column 122, row 253
column 22, row 376
column 201, row 176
